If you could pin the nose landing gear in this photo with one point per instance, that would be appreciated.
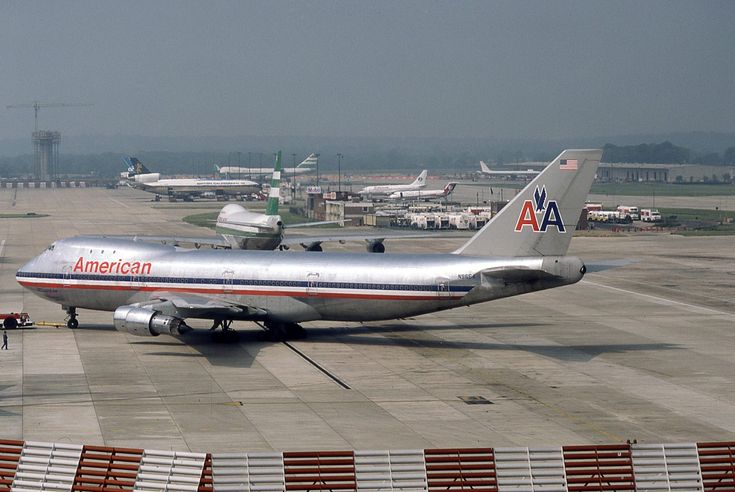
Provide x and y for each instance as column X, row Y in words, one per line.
column 71, row 317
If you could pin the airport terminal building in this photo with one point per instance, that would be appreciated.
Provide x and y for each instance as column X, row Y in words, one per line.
column 662, row 173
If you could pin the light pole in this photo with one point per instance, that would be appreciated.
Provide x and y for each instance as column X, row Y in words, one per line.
column 317, row 169
column 339, row 172
column 293, row 178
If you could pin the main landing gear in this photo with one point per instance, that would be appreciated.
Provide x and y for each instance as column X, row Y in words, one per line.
column 222, row 323
column 280, row 330
column 71, row 317
column 227, row 333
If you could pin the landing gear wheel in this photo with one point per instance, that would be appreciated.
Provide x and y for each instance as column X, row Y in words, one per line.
column 10, row 323
column 71, row 321
column 227, row 334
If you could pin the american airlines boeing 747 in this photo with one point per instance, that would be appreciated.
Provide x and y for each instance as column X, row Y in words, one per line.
column 152, row 289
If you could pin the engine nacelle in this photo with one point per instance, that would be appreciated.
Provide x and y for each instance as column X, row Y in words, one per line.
column 146, row 323
column 375, row 246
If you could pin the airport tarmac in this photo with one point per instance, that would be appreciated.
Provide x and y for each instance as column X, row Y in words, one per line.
column 643, row 352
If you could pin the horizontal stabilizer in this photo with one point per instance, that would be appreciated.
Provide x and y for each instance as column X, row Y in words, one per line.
column 602, row 265
column 515, row 274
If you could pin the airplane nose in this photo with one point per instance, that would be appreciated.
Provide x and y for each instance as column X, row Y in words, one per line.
column 29, row 265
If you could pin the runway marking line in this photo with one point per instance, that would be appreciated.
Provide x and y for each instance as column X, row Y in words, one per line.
column 660, row 299
column 120, row 203
column 2, row 247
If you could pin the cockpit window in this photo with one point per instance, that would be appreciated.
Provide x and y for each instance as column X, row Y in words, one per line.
column 51, row 248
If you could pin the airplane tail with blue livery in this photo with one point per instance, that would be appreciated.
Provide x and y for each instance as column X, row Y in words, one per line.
column 540, row 219
column 135, row 166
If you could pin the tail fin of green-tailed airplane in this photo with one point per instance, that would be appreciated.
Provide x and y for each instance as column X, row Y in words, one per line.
column 271, row 208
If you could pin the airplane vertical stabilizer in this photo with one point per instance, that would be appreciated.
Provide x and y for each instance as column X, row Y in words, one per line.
column 540, row 219
column 271, row 208
column 309, row 161
column 420, row 181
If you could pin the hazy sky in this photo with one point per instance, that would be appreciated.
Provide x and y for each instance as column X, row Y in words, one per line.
column 530, row 69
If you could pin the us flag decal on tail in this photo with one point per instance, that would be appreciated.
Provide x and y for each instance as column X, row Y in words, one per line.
column 568, row 164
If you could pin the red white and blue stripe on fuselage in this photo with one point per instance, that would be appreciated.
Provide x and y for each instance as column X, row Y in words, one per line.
column 242, row 287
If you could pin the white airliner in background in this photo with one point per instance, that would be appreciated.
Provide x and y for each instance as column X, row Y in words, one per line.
column 385, row 190
column 484, row 169
column 306, row 166
column 424, row 194
column 140, row 177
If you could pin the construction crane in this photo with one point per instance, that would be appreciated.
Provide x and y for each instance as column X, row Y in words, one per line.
column 36, row 105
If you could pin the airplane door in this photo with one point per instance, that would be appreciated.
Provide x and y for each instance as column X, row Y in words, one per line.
column 312, row 284
column 442, row 287
column 227, row 277
column 66, row 275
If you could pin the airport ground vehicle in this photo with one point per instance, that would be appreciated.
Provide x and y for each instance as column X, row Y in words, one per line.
column 610, row 216
column 13, row 320
column 630, row 211
column 650, row 215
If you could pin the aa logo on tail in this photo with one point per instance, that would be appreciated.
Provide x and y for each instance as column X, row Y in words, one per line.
column 539, row 214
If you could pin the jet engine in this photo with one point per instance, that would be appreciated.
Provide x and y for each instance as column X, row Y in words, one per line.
column 375, row 246
column 146, row 323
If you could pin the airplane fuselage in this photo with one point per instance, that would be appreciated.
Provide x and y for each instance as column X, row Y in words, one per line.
column 397, row 195
column 245, row 171
column 388, row 189
column 192, row 185
column 104, row 274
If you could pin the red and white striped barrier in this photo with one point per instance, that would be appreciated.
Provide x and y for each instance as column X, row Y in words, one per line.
column 36, row 466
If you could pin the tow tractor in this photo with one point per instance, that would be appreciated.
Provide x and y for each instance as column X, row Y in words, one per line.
column 13, row 320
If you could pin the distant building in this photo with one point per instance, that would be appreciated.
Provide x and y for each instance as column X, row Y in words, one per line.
column 354, row 211
column 620, row 172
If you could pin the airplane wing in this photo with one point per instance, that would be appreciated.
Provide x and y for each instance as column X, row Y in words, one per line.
column 200, row 306
column 291, row 240
column 197, row 241
column 319, row 223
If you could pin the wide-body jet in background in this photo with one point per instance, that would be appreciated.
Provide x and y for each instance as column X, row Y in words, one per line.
column 152, row 289
column 185, row 188
column 484, row 169
column 307, row 165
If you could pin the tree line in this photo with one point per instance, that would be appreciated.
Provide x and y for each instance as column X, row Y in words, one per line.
column 109, row 165
column 665, row 153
